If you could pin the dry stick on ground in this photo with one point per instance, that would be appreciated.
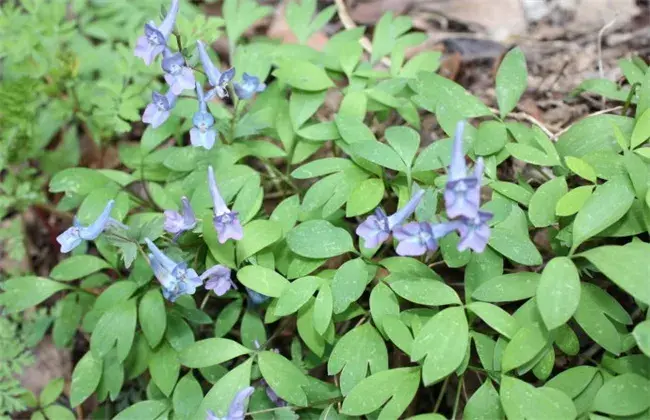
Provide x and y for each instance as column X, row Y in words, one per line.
column 593, row 114
column 348, row 23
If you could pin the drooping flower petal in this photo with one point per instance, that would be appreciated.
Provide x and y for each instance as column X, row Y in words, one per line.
column 248, row 86
column 178, row 223
column 154, row 40
column 177, row 75
column 216, row 78
column 218, row 279
column 157, row 112
column 202, row 134
column 205, row 139
column 419, row 238
column 474, row 232
column 462, row 191
column 76, row 234
column 237, row 409
column 176, row 278
column 376, row 228
column 226, row 222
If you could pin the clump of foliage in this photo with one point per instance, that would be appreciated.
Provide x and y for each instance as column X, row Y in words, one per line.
column 289, row 281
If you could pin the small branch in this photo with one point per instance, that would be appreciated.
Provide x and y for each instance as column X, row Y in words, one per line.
column 348, row 23
column 527, row 117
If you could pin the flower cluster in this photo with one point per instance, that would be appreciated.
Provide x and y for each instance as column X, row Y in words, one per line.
column 179, row 76
column 462, row 201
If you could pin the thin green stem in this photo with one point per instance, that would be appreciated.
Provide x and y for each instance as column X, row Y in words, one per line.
column 456, row 403
column 205, row 300
column 441, row 395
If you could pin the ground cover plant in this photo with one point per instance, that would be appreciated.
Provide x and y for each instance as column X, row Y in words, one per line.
column 252, row 257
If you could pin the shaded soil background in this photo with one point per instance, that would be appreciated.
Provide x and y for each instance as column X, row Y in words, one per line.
column 565, row 42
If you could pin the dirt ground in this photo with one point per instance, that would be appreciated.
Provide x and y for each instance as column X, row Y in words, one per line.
column 565, row 42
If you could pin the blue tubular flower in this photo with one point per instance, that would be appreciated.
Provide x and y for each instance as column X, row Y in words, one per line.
column 216, row 78
column 202, row 134
column 225, row 221
column 237, row 409
column 177, row 75
column 175, row 278
column 462, row 192
column 419, row 238
column 256, row 298
column 154, row 40
column 376, row 228
column 74, row 235
column 157, row 112
column 178, row 223
column 474, row 232
column 218, row 279
column 248, row 87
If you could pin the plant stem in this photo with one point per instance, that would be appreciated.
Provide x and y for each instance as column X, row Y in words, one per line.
column 456, row 403
column 441, row 395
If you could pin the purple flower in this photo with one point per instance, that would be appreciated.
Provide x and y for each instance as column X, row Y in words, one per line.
column 462, row 192
column 237, row 409
column 376, row 228
column 256, row 298
column 157, row 112
column 176, row 279
column 474, row 232
column 216, row 78
column 248, row 86
column 74, row 235
column 218, row 279
column 154, row 40
column 177, row 75
column 270, row 393
column 202, row 134
column 417, row 238
column 225, row 221
column 178, row 223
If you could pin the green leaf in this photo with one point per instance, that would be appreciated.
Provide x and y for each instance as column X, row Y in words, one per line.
column 164, row 368
column 78, row 266
column 496, row 318
column 521, row 400
column 573, row 381
column 591, row 317
column 115, row 327
column 227, row 318
column 252, row 330
column 581, row 168
column 21, row 293
column 627, row 266
column 323, row 307
column 624, row 395
column 571, row 202
column 443, row 341
column 424, row 291
column 641, row 130
column 365, row 197
column 530, row 154
column 307, row 331
column 541, row 208
column 210, row 351
column 143, row 410
column 187, row 396
column 383, row 302
column 405, row 141
column 258, row 234
column 220, row 396
column 58, row 412
column 491, row 137
column 514, row 246
column 527, row 343
column 153, row 319
column 81, row 181
column 398, row 333
column 593, row 134
column 296, row 295
column 434, row 90
column 51, row 392
column 85, row 378
column 321, row 167
column 319, row 239
column 286, row 213
column 348, row 284
column 558, row 292
column 358, row 350
column 284, row 378
column 379, row 153
column 303, row 75
column 641, row 334
column 483, row 404
column 239, row 15
column 511, row 80
column 263, row 280
column 393, row 389
column 508, row 287
column 607, row 204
